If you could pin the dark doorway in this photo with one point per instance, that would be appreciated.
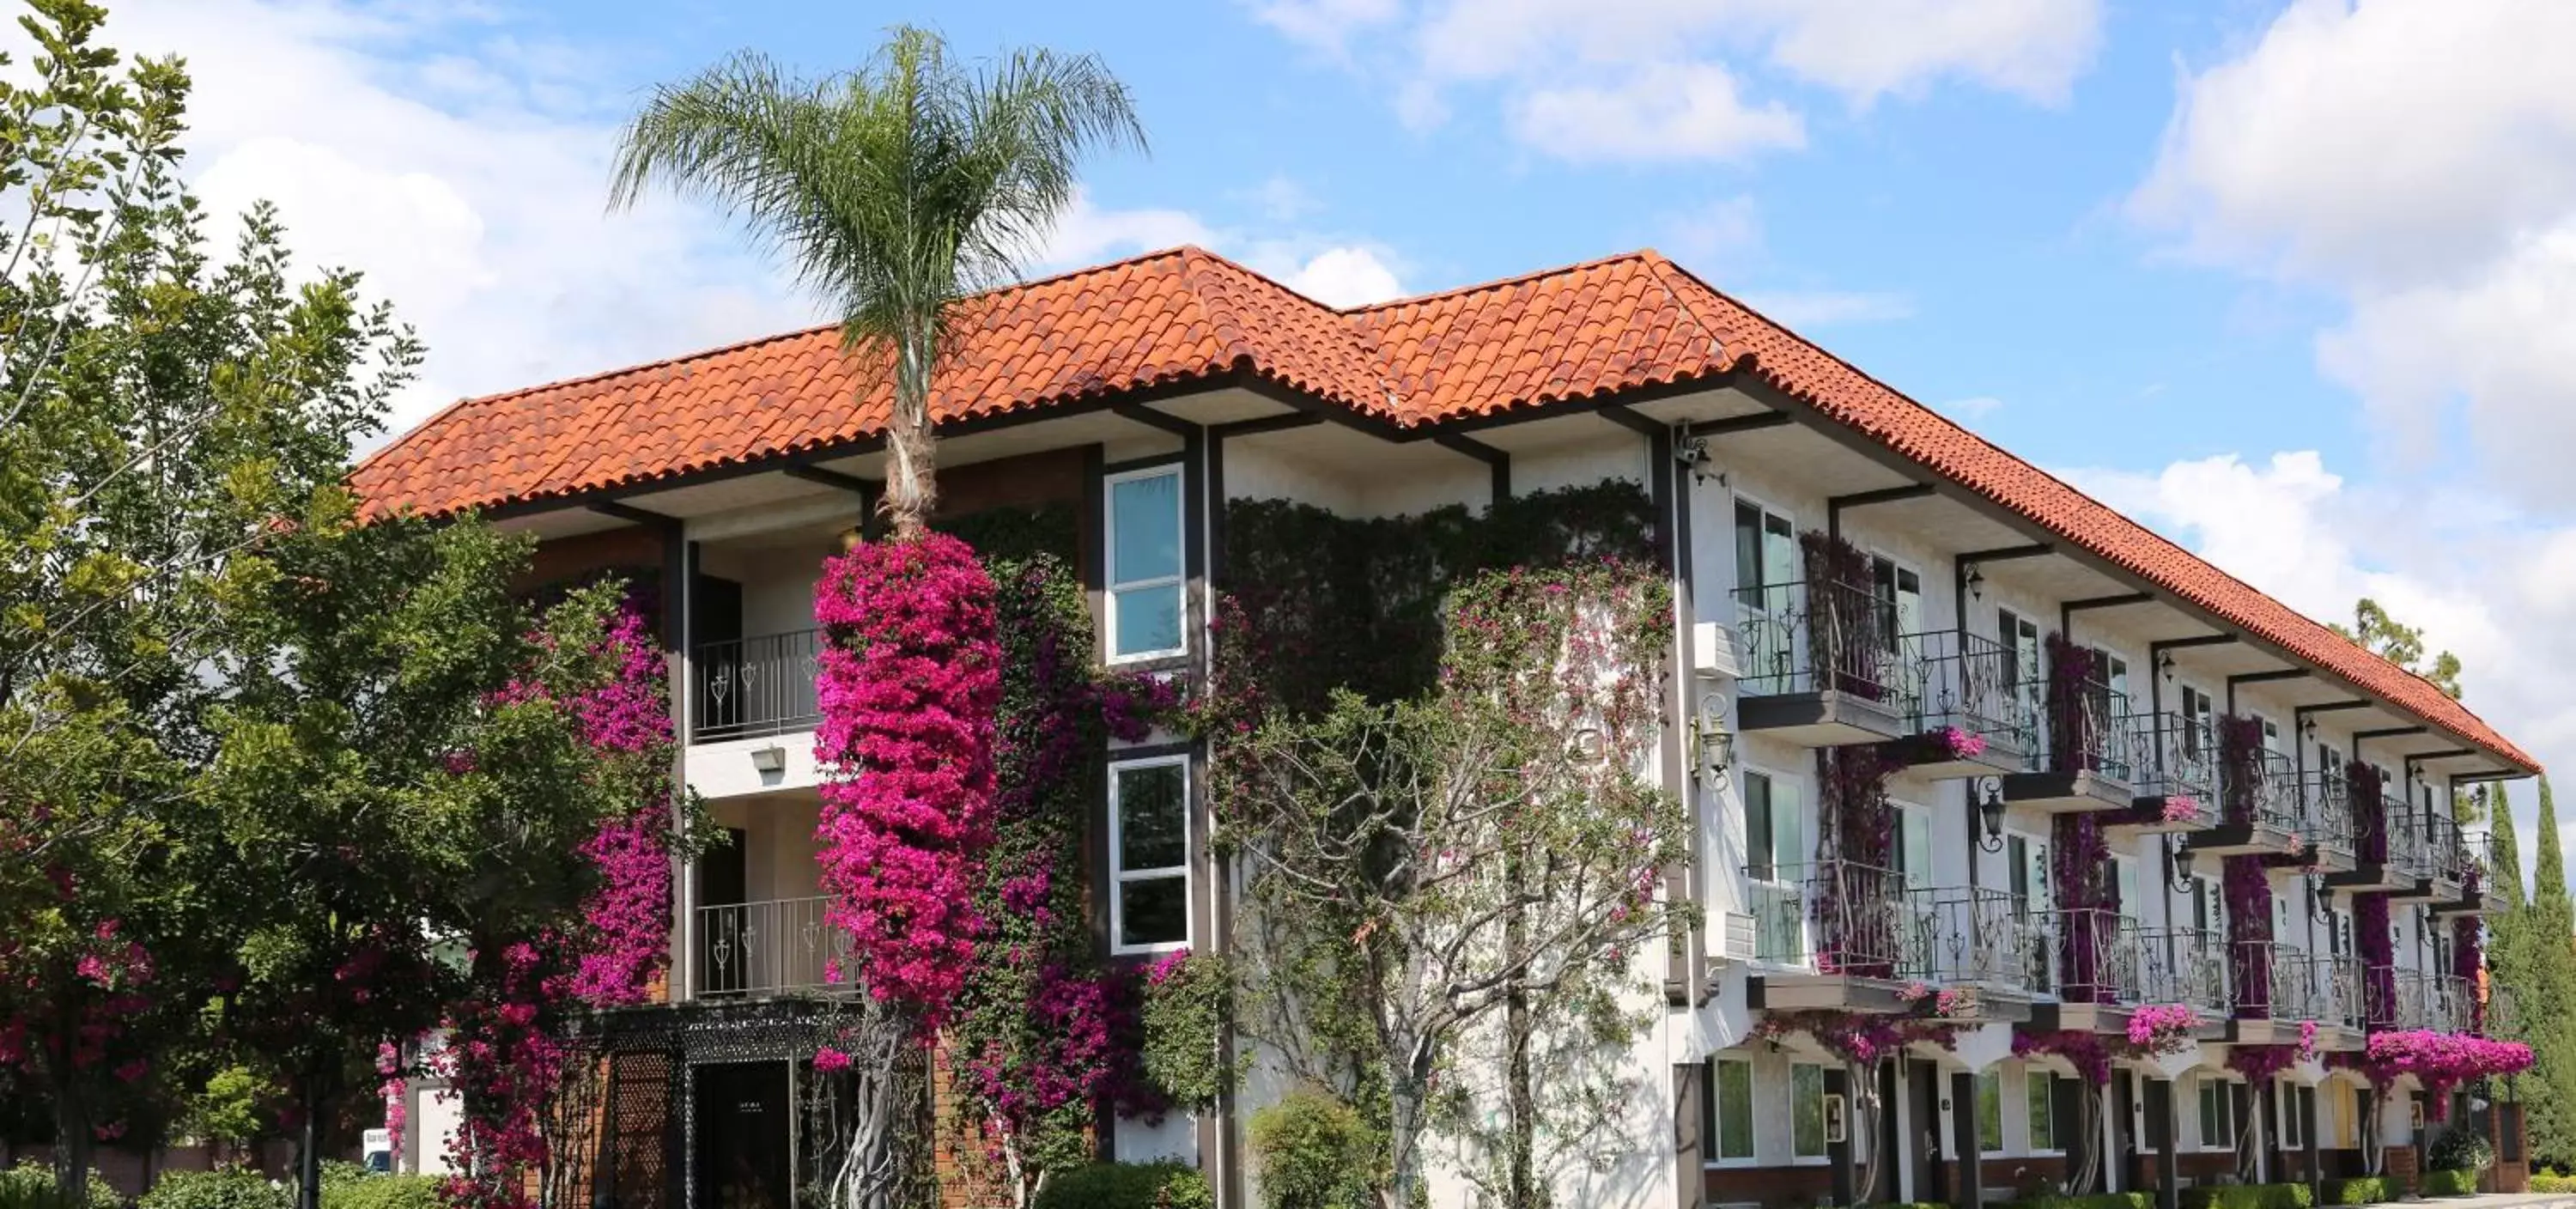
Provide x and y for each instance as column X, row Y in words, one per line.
column 742, row 1111
column 1931, row 1179
column 724, row 922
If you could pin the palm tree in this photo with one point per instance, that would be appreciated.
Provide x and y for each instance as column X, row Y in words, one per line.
column 894, row 190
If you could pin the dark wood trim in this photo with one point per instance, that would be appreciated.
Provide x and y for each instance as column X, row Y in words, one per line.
column 1257, row 426
column 1151, row 418
column 1735, row 424
column 2296, row 673
column 1156, row 461
column 2300, row 714
column 1496, row 461
column 635, row 516
column 865, row 489
column 2360, row 737
column 1835, row 504
column 2002, row 554
column 2066, row 611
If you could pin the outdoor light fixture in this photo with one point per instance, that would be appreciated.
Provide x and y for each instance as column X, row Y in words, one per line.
column 1976, row 582
column 2165, row 665
column 1712, row 745
column 769, row 759
column 2179, row 858
column 1990, row 805
column 1692, row 453
column 2308, row 730
column 2320, row 900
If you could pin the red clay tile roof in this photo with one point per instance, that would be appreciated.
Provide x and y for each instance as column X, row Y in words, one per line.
column 1610, row 325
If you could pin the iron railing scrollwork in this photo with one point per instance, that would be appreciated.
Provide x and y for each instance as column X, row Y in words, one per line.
column 755, row 686
column 767, row 948
column 1813, row 637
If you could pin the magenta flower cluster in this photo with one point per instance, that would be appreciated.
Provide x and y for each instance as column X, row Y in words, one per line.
column 2437, row 1060
column 2162, row 1028
column 628, row 918
column 908, row 682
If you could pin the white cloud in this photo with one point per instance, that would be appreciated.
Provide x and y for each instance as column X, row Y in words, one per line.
column 1087, row 234
column 2416, row 159
column 1662, row 111
column 1344, row 277
column 2488, row 583
column 1662, row 79
column 1721, row 231
column 1280, row 199
column 1970, row 410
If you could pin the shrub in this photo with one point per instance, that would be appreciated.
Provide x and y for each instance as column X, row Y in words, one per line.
column 2451, row 1182
column 223, row 1188
column 371, row 1191
column 2552, row 1181
column 1905, row 1205
column 2249, row 1196
column 2462, row 1150
column 1164, row 1185
column 30, row 1185
column 2099, row 1200
column 1313, row 1152
column 2362, row 1190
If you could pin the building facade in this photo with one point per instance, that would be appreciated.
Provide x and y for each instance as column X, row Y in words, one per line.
column 2101, row 754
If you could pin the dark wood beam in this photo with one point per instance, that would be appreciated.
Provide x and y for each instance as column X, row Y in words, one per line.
column 1151, row 418
column 1734, row 424
column 1499, row 462
column 1255, row 427
column 633, row 515
column 851, row 483
column 2002, row 554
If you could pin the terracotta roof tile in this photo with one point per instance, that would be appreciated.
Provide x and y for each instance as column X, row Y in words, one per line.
column 1616, row 324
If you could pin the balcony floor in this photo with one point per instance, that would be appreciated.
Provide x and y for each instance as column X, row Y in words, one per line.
column 1820, row 719
column 2083, row 792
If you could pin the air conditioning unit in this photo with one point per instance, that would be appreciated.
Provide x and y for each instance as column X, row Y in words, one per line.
column 1735, row 936
column 1713, row 650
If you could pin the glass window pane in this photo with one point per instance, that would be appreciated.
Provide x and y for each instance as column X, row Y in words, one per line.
column 1788, row 828
column 1748, row 552
column 1154, row 911
column 1779, row 551
column 1990, row 1111
column 1152, row 831
column 1145, row 534
column 1149, row 619
column 1918, row 847
column 1757, row 825
column 1735, row 1110
column 2043, row 1113
column 1807, row 1111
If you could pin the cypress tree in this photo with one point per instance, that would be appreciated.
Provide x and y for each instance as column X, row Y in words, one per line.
column 2544, row 944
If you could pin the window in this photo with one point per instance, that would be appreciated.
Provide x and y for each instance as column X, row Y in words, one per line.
column 2296, row 1103
column 1806, row 1111
column 1990, row 1112
column 2208, row 908
column 2041, row 1088
column 2271, row 734
column 1766, row 557
column 2199, row 734
column 2026, row 873
column 2130, row 903
column 2217, row 1115
column 2022, row 672
column 1149, row 847
column 1728, row 1123
column 1900, row 603
column 1775, row 852
column 1145, row 563
column 1914, row 845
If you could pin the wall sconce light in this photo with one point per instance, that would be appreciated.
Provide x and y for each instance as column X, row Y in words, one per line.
column 1976, row 582
column 2179, row 859
column 1692, row 452
column 769, row 759
column 1712, row 745
column 2308, row 729
column 2320, row 900
column 2165, row 666
column 1990, row 807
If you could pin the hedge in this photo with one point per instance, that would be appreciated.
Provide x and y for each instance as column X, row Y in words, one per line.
column 2450, row 1183
column 30, row 1185
column 2363, row 1190
column 223, row 1188
column 382, row 1192
column 2099, row 1200
column 2249, row 1196
column 1163, row 1185
column 2552, row 1181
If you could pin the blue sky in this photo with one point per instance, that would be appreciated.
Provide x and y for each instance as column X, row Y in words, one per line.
column 2295, row 282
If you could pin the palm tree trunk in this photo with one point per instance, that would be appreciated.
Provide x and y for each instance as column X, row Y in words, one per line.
column 912, row 488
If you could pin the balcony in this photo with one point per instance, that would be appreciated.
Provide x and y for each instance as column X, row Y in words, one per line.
column 2416, row 845
column 1980, row 940
column 2185, row 966
column 1834, row 932
column 2275, row 989
column 2173, row 767
column 2261, row 818
column 1817, row 666
column 2091, row 768
column 2413, row 999
column 760, row 949
column 749, row 687
column 2325, row 819
column 2102, row 970
column 2468, row 865
column 1951, row 683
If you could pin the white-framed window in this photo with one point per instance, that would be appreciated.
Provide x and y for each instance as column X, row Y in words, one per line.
column 2199, row 724
column 1727, row 1122
column 2039, row 1087
column 2025, row 677
column 2295, row 1103
column 1898, row 590
column 2217, row 1114
column 1914, row 845
column 1990, row 1111
column 1775, row 850
column 2209, row 908
column 2132, row 903
column 1145, row 566
column 1766, row 556
column 1149, row 854
column 1806, row 1111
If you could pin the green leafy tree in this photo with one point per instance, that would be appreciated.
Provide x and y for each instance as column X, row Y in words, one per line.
column 2401, row 644
column 894, row 191
column 1416, row 868
column 2544, row 960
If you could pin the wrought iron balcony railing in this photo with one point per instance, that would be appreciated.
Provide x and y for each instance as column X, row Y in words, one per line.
column 2469, row 863
column 2185, row 966
column 2335, row 988
column 2273, row 798
column 1835, row 917
column 1975, row 936
column 2324, row 811
column 1813, row 637
column 1947, row 678
column 2271, row 980
column 767, row 948
column 2175, row 757
column 755, row 686
column 2101, row 741
column 2101, row 956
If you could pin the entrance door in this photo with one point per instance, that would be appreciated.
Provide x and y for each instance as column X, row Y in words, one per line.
column 1931, row 1179
column 743, row 1118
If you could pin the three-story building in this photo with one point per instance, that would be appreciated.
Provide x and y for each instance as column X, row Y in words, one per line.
column 2003, row 666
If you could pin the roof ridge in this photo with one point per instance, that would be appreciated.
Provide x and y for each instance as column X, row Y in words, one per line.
column 1496, row 283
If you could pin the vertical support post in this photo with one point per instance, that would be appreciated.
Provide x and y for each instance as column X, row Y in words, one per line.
column 2161, row 1124
column 1690, row 1140
column 2308, row 1133
column 1970, row 1187
column 1838, row 1151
